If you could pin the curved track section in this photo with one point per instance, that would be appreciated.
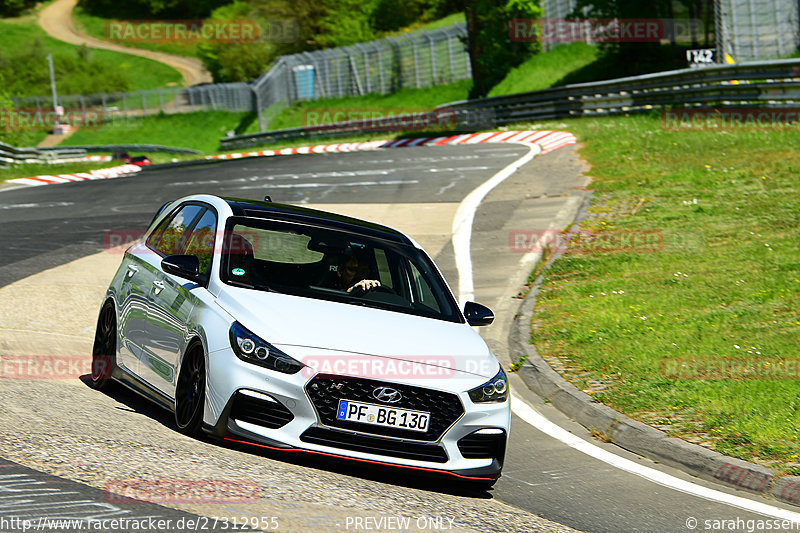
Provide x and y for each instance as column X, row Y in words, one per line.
column 54, row 269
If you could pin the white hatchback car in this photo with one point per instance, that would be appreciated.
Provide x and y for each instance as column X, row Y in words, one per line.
column 290, row 328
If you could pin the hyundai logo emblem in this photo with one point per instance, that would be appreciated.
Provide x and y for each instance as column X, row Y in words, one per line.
column 386, row 394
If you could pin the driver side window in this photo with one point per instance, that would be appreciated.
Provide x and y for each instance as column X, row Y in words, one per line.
column 169, row 237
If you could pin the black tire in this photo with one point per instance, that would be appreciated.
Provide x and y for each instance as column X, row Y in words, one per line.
column 190, row 392
column 104, row 350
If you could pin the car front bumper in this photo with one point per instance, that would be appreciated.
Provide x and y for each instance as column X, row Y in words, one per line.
column 249, row 404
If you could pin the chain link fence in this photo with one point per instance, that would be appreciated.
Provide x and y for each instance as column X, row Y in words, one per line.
column 752, row 30
column 416, row 60
column 748, row 30
column 108, row 106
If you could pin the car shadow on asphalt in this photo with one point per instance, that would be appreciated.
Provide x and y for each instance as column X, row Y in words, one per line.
column 430, row 482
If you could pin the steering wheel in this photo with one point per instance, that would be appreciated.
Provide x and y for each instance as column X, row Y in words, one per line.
column 358, row 291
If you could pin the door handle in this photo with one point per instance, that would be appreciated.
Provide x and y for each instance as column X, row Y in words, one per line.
column 159, row 285
column 132, row 270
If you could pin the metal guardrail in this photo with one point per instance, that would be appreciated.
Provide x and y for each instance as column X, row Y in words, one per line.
column 147, row 148
column 14, row 155
column 770, row 84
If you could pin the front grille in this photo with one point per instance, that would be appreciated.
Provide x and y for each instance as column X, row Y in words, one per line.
column 375, row 445
column 479, row 446
column 325, row 391
column 261, row 412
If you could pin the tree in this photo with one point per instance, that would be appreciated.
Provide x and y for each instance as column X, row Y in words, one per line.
column 12, row 8
column 492, row 53
column 638, row 57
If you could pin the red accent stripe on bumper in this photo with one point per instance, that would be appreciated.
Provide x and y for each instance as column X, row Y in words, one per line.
column 325, row 454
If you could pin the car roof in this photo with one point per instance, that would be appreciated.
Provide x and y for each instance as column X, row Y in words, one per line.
column 242, row 207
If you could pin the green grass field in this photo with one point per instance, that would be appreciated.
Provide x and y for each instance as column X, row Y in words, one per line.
column 97, row 27
column 21, row 38
column 546, row 70
column 200, row 130
column 724, row 289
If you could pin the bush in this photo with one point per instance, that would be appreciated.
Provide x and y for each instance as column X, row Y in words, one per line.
column 12, row 8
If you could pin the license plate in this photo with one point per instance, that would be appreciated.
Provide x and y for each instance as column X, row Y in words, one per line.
column 380, row 415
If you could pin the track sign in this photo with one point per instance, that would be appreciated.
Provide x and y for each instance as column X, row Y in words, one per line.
column 701, row 57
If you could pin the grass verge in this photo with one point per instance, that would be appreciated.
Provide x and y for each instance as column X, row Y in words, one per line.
column 547, row 69
column 200, row 131
column 329, row 110
column 699, row 337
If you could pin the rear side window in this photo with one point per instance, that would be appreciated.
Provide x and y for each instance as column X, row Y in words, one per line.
column 169, row 237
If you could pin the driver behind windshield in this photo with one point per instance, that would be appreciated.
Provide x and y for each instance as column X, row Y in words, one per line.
column 351, row 275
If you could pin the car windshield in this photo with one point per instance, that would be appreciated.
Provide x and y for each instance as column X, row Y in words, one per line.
column 331, row 264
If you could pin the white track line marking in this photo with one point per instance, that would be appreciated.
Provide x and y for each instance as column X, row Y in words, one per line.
column 529, row 415
column 462, row 237
column 462, row 223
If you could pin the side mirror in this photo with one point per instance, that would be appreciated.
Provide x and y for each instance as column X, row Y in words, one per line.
column 477, row 314
column 183, row 266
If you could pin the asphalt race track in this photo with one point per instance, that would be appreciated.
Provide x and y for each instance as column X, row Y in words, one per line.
column 65, row 429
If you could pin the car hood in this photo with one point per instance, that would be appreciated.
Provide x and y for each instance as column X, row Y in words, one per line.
column 306, row 326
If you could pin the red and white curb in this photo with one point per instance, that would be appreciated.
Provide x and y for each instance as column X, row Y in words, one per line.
column 99, row 174
column 548, row 140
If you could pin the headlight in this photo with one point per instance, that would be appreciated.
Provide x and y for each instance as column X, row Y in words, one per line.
column 494, row 390
column 251, row 348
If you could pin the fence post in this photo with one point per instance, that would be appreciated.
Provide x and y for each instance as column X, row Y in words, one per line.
column 144, row 104
column 257, row 105
column 778, row 24
column 452, row 59
column 381, row 74
column 177, row 100
column 354, row 70
column 754, row 32
column 397, row 62
column 339, row 75
column 161, row 100
column 83, row 109
column 125, row 104
column 433, row 56
column 416, row 61
column 365, row 52
column 467, row 62
column 38, row 106
column 103, row 103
